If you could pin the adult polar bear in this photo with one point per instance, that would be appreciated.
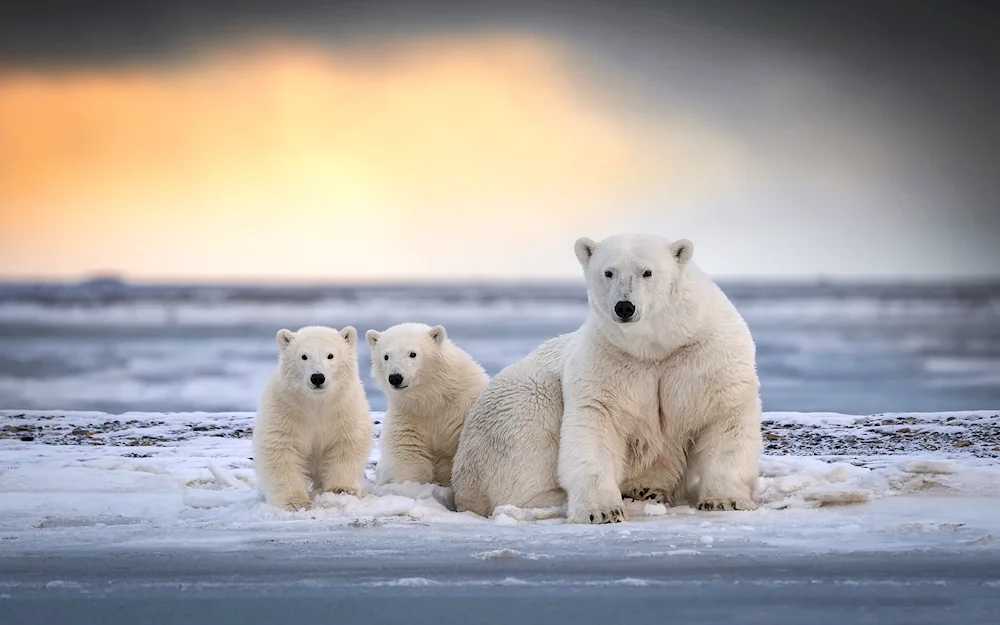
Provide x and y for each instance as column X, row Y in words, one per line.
column 656, row 396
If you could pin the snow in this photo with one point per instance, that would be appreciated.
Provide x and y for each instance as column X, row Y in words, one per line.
column 90, row 478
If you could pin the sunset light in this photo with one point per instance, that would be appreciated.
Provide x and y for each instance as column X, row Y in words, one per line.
column 194, row 168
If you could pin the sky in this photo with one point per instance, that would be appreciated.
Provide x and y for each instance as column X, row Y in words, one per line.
column 406, row 140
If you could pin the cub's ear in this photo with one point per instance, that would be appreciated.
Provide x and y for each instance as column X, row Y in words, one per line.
column 284, row 337
column 438, row 333
column 350, row 335
column 584, row 249
column 682, row 250
column 372, row 337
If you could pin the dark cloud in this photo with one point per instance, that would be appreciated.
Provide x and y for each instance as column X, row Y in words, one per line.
column 919, row 74
column 878, row 32
column 945, row 52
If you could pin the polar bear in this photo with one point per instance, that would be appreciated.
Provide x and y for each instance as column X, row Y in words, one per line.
column 313, row 421
column 431, row 383
column 655, row 396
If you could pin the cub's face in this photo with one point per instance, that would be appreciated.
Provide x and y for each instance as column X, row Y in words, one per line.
column 630, row 278
column 401, row 353
column 316, row 357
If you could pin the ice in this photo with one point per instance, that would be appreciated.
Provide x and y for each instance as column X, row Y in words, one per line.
column 223, row 478
column 654, row 509
column 504, row 519
column 843, row 348
column 140, row 478
column 410, row 581
column 58, row 583
column 154, row 314
column 511, row 515
column 499, row 554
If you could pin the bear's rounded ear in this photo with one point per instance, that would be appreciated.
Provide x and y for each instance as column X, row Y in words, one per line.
column 584, row 249
column 350, row 335
column 284, row 337
column 372, row 337
column 682, row 250
column 439, row 334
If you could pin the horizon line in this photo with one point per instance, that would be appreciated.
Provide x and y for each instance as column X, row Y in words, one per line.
column 304, row 282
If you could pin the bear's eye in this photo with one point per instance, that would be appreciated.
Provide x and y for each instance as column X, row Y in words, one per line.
column 329, row 356
column 413, row 354
column 386, row 357
column 304, row 357
column 647, row 274
column 608, row 274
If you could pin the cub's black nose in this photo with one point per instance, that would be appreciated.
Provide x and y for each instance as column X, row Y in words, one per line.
column 624, row 310
column 317, row 379
column 395, row 379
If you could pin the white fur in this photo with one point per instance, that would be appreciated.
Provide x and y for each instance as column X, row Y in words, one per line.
column 438, row 384
column 666, row 407
column 304, row 433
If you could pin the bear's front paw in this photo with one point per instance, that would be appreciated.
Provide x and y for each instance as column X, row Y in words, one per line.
column 344, row 490
column 598, row 516
column 645, row 493
column 734, row 503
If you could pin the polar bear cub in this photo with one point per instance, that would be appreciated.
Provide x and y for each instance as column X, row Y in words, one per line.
column 430, row 383
column 313, row 421
column 655, row 396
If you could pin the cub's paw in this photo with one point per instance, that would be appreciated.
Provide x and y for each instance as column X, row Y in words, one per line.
column 735, row 503
column 597, row 517
column 295, row 504
column 646, row 493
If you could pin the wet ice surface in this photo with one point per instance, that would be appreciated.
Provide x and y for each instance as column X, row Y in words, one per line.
column 151, row 517
column 155, row 481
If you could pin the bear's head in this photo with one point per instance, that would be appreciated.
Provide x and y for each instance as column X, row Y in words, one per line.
column 317, row 359
column 403, row 352
column 632, row 279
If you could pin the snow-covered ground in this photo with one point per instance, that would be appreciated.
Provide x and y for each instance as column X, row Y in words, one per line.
column 828, row 483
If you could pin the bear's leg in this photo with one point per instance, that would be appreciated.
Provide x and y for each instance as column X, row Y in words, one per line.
column 659, row 481
column 442, row 469
column 285, row 478
column 404, row 465
column 549, row 499
column 591, row 458
column 724, row 459
column 338, row 470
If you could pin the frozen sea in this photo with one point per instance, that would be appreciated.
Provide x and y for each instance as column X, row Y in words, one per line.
column 113, row 347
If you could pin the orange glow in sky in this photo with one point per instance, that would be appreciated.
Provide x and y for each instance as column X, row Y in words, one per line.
column 418, row 160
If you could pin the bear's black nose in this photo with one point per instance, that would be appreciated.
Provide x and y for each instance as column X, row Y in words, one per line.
column 395, row 379
column 317, row 379
column 624, row 310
